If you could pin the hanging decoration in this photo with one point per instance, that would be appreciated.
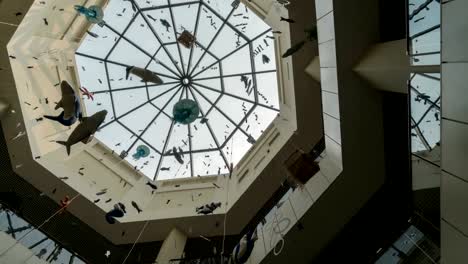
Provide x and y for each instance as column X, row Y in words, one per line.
column 185, row 111
column 186, row 39
column 300, row 167
column 93, row 13
column 311, row 35
column 142, row 151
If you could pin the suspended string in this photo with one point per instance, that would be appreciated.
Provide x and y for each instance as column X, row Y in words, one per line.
column 231, row 168
column 136, row 241
column 177, row 172
column 40, row 226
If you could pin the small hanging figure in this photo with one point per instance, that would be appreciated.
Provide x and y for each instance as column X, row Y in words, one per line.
column 64, row 203
column 118, row 211
column 87, row 93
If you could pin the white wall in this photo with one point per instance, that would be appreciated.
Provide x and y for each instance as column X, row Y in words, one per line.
column 454, row 187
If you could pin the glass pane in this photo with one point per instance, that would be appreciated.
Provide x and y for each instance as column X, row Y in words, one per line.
column 264, row 53
column 203, row 63
column 209, row 163
column 118, row 15
column 139, row 119
column 146, row 165
column 226, row 42
column 258, row 121
column 100, row 45
column 236, row 147
column 223, row 8
column 267, row 89
column 247, row 22
column 240, row 86
column 160, row 20
column 116, row 137
column 209, row 26
column 102, row 101
column 167, row 101
column 163, row 66
column 140, row 33
column 232, row 62
column 92, row 74
column 129, row 99
column 152, row 3
column 430, row 127
column 138, row 58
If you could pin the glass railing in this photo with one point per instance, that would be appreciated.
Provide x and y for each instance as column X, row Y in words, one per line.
column 39, row 243
column 411, row 247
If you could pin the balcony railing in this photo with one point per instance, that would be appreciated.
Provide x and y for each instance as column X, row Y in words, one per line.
column 39, row 243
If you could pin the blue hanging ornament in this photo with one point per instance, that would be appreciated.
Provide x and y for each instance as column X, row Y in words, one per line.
column 93, row 13
column 186, row 111
column 142, row 151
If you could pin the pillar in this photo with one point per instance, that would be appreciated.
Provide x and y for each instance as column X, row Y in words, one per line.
column 172, row 247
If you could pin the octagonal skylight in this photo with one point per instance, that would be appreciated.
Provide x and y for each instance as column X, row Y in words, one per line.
column 230, row 72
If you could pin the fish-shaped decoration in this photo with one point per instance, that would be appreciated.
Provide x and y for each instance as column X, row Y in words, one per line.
column 165, row 24
column 70, row 103
column 207, row 208
column 84, row 131
column 135, row 205
column 287, row 20
column 293, row 49
column 245, row 80
column 153, row 186
column 144, row 74
column 177, row 155
column 244, row 248
column 92, row 34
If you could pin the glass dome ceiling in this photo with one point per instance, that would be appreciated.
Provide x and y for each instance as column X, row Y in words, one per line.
column 230, row 73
